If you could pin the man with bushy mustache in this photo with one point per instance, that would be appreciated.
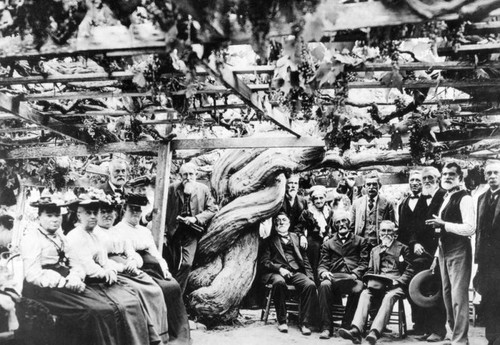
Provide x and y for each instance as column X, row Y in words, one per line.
column 344, row 260
column 455, row 222
column 190, row 206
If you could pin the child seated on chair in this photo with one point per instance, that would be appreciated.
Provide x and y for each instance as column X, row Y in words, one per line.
column 389, row 273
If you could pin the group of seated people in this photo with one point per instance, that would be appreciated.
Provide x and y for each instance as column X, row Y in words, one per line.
column 107, row 284
column 370, row 253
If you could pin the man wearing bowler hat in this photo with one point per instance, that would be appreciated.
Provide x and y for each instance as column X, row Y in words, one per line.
column 343, row 262
column 487, row 254
column 387, row 278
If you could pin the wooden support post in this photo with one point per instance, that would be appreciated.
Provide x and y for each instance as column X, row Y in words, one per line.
column 161, row 193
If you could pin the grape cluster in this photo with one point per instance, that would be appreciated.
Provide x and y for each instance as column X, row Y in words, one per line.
column 306, row 67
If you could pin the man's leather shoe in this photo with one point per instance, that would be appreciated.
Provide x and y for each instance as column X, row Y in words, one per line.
column 325, row 334
column 372, row 337
column 423, row 337
column 283, row 328
column 434, row 338
column 352, row 334
column 305, row 330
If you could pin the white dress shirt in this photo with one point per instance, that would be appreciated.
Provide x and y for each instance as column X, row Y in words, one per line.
column 468, row 211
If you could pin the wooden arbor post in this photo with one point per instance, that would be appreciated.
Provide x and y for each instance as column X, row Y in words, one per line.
column 161, row 194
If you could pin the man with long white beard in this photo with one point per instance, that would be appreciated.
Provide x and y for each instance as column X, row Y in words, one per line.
column 294, row 205
column 424, row 242
column 456, row 222
column 388, row 276
column 190, row 207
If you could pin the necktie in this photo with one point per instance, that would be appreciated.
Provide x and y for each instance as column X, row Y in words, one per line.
column 427, row 197
column 493, row 198
column 370, row 203
column 414, row 196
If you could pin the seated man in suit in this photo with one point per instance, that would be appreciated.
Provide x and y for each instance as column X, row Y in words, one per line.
column 284, row 262
column 344, row 261
column 388, row 276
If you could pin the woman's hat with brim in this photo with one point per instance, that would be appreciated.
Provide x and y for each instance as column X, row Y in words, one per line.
column 425, row 289
column 48, row 200
column 136, row 199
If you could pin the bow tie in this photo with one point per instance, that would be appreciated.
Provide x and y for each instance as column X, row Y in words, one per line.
column 414, row 196
column 427, row 196
column 453, row 190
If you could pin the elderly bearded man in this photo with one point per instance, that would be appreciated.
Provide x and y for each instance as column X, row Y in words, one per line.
column 370, row 210
column 456, row 222
column 389, row 265
column 344, row 260
column 190, row 204
column 284, row 262
column 487, row 254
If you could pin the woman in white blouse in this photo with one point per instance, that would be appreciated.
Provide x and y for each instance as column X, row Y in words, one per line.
column 153, row 264
column 54, row 278
column 102, row 274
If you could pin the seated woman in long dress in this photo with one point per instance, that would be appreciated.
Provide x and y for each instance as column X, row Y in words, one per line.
column 102, row 273
column 143, row 244
column 86, row 315
column 126, row 263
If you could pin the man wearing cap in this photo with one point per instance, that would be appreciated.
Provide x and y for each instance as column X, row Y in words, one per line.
column 423, row 243
column 389, row 273
column 344, row 261
column 487, row 254
column 284, row 262
column 455, row 222
column 315, row 223
column 151, row 262
column 370, row 210
column 190, row 207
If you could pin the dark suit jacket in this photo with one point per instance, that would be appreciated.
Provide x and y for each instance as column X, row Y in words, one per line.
column 397, row 251
column 273, row 257
column 202, row 205
column 350, row 257
column 409, row 222
column 385, row 211
column 425, row 234
column 294, row 210
column 487, row 254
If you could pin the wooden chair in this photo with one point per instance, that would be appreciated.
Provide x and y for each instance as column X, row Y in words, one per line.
column 398, row 317
column 292, row 303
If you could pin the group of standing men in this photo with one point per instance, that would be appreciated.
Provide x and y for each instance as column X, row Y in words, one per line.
column 371, row 255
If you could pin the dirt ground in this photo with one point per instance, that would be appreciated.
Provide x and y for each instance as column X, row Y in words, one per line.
column 252, row 331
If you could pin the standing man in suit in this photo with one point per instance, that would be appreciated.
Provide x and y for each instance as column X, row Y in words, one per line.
column 118, row 170
column 189, row 203
column 411, row 209
column 344, row 261
column 391, row 262
column 370, row 210
column 284, row 262
column 487, row 254
column 294, row 204
column 456, row 222
column 117, row 177
column 423, row 244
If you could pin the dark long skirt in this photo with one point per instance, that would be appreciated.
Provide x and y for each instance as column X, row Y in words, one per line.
column 110, row 315
column 178, row 324
column 152, row 299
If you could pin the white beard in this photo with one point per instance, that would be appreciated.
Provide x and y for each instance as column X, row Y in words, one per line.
column 387, row 241
column 429, row 190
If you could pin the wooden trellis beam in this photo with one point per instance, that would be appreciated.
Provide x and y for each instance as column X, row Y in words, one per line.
column 470, row 49
column 153, row 146
column 227, row 77
column 15, row 106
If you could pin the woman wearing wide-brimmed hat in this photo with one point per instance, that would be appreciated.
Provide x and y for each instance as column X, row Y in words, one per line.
column 153, row 264
column 102, row 274
column 54, row 278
